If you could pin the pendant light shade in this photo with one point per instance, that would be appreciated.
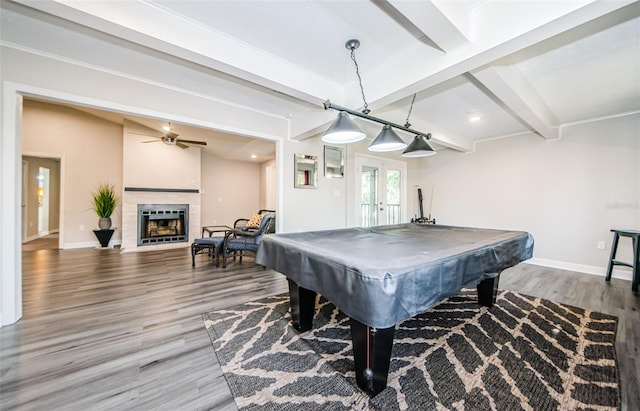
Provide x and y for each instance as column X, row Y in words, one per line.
column 418, row 148
column 387, row 140
column 343, row 130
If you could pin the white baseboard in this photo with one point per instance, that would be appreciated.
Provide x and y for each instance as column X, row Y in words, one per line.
column 38, row 236
column 155, row 247
column 28, row 239
column 581, row 268
column 88, row 244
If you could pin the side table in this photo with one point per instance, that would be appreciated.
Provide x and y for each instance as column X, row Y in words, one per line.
column 104, row 236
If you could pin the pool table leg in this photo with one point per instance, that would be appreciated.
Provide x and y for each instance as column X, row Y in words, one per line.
column 372, row 355
column 488, row 291
column 303, row 305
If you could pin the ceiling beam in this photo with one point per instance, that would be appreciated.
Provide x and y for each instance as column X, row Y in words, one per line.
column 510, row 90
column 422, row 17
column 385, row 85
column 161, row 29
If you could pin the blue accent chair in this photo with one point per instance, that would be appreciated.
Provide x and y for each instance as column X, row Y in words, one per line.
column 240, row 240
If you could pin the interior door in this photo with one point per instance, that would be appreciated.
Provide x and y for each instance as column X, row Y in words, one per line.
column 380, row 191
column 25, row 190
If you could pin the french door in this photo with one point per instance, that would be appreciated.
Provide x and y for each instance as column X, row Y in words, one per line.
column 380, row 191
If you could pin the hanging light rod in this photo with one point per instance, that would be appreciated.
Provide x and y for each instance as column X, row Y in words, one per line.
column 343, row 130
column 329, row 105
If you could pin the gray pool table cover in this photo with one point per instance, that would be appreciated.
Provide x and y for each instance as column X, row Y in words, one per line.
column 382, row 275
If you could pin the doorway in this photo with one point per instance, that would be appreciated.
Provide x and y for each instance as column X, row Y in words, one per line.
column 380, row 191
column 41, row 187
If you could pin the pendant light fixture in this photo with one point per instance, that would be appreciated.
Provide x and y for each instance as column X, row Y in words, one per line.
column 343, row 130
column 418, row 148
column 387, row 140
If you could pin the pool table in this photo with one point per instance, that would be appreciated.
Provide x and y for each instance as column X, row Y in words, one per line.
column 379, row 276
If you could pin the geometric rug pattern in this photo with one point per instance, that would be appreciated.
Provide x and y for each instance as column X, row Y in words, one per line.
column 524, row 353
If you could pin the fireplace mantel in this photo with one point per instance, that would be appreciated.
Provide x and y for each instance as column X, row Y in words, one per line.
column 162, row 190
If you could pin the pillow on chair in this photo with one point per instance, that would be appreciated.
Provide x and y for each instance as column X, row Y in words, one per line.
column 255, row 220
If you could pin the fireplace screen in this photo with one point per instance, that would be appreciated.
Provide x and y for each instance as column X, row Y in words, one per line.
column 163, row 223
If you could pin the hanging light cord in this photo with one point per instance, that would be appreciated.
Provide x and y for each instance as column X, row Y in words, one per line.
column 413, row 100
column 366, row 106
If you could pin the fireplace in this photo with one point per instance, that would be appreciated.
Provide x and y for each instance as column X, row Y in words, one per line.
column 163, row 223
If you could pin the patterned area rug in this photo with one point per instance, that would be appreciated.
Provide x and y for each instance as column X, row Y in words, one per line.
column 524, row 353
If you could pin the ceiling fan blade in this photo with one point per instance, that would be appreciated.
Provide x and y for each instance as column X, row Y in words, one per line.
column 202, row 143
column 151, row 141
column 171, row 134
column 179, row 144
column 147, row 134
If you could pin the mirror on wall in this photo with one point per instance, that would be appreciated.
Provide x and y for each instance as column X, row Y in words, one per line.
column 333, row 162
column 305, row 171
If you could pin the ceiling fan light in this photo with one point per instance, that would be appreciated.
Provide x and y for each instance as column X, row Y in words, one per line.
column 418, row 148
column 343, row 130
column 387, row 140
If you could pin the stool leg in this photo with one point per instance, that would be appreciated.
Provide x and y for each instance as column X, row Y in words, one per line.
column 614, row 248
column 636, row 264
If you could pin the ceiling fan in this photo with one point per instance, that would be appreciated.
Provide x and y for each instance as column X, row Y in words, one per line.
column 171, row 138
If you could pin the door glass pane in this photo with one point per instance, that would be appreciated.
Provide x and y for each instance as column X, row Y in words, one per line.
column 393, row 196
column 369, row 201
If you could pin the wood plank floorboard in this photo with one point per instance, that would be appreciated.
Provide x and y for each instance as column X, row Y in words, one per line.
column 108, row 330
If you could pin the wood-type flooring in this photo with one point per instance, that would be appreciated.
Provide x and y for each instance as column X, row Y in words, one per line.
column 108, row 330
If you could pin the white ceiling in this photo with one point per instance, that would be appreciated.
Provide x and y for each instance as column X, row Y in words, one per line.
column 522, row 65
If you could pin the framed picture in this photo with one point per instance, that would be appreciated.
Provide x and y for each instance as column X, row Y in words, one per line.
column 305, row 171
column 333, row 162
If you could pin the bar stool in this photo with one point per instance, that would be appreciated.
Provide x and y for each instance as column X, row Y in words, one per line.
column 635, row 238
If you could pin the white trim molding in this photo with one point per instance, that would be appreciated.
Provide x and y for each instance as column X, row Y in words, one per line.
column 581, row 268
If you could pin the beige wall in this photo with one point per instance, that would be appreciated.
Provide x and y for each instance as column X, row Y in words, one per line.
column 568, row 193
column 268, row 185
column 231, row 190
column 31, row 204
column 91, row 153
column 157, row 165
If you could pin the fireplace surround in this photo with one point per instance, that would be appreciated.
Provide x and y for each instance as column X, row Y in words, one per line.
column 135, row 196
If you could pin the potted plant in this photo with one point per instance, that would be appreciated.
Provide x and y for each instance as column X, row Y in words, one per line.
column 104, row 203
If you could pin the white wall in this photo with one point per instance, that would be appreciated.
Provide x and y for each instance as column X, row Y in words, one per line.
column 307, row 208
column 568, row 193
